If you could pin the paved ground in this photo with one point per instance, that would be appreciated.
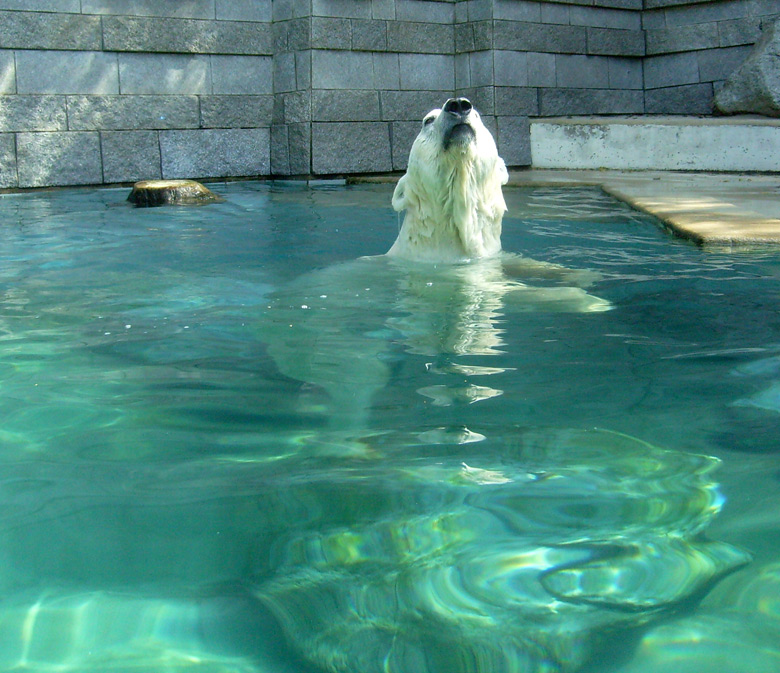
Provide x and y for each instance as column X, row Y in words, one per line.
column 732, row 209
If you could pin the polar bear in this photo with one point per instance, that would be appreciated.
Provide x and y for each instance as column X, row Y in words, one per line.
column 451, row 191
column 454, row 204
column 442, row 290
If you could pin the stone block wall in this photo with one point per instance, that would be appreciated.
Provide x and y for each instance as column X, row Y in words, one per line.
column 107, row 91
column 693, row 46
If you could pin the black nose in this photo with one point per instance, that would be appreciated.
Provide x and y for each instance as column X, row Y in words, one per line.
column 458, row 106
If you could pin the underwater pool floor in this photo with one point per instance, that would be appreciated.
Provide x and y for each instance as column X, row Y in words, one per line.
column 237, row 439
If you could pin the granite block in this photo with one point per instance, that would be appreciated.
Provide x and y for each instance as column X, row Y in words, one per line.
column 330, row 33
column 717, row 64
column 682, row 39
column 555, row 13
column 563, row 102
column 349, row 9
column 516, row 101
column 33, row 113
column 511, row 68
column 369, row 35
column 420, row 38
column 383, row 9
column 189, row 36
column 284, row 72
column 292, row 35
column 461, row 11
column 342, row 70
column 303, row 77
column 765, row 8
column 517, row 10
column 192, row 9
column 280, row 150
column 514, row 140
column 279, row 31
column 402, row 136
column 462, row 71
column 282, row 10
column 653, row 20
column 513, row 35
column 610, row 42
column 66, row 72
column 299, row 33
column 8, row 177
column 38, row 30
column 739, row 32
column 464, row 38
column 95, row 113
column 387, row 72
column 625, row 73
column 300, row 148
column 236, row 111
column 706, row 12
column 481, row 67
column 297, row 107
column 242, row 75
column 43, row 5
column 278, row 109
column 427, row 72
column 425, row 11
column 357, row 147
column 671, row 70
column 409, row 105
column 599, row 17
column 7, row 72
column 582, row 72
column 130, row 156
column 215, row 153
column 692, row 99
column 633, row 5
column 479, row 10
column 541, row 69
column 483, row 35
column 164, row 74
column 330, row 105
column 244, row 10
column 58, row 159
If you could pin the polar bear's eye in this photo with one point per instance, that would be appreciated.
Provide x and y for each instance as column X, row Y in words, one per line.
column 428, row 120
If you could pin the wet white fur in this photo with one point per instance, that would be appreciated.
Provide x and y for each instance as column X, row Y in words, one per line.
column 452, row 197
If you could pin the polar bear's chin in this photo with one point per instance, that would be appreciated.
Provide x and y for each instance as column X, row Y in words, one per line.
column 460, row 136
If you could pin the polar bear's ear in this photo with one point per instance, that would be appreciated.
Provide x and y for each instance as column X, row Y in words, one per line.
column 399, row 195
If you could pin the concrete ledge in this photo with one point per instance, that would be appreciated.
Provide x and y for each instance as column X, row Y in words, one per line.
column 717, row 209
column 657, row 143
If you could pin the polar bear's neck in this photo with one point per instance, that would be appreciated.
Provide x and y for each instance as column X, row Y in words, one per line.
column 451, row 218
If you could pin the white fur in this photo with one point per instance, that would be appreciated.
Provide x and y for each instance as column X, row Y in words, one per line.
column 452, row 196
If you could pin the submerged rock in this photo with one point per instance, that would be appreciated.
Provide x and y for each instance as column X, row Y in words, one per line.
column 525, row 563
column 755, row 86
column 148, row 193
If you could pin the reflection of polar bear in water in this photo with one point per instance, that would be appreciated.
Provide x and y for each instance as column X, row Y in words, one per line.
column 442, row 287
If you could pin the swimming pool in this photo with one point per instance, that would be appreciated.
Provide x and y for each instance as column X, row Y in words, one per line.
column 229, row 444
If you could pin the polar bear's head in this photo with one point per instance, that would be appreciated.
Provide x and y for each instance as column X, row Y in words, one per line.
column 451, row 191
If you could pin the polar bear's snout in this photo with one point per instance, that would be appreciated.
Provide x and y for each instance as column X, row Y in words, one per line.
column 457, row 129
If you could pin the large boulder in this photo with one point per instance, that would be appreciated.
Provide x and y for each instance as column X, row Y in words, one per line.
column 755, row 86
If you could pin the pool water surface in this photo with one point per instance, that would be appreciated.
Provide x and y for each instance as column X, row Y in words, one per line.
column 232, row 444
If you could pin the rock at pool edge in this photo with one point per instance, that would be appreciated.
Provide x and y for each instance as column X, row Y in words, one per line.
column 149, row 193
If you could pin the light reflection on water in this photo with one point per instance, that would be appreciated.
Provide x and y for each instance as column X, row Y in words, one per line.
column 229, row 444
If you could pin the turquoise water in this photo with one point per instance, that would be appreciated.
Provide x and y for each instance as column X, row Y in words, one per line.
column 230, row 444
